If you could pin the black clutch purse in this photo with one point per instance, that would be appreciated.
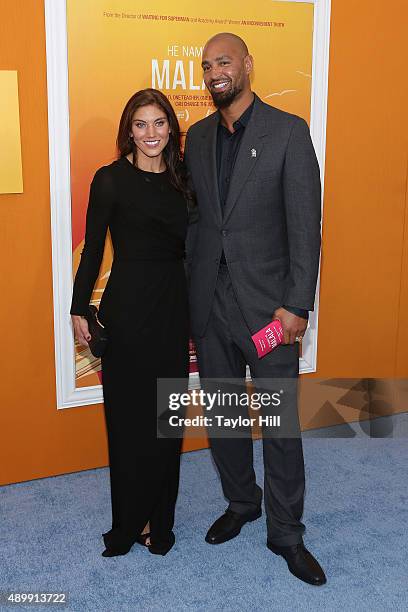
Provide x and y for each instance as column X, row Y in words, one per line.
column 99, row 337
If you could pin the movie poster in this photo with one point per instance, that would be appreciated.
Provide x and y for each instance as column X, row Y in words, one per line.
column 116, row 48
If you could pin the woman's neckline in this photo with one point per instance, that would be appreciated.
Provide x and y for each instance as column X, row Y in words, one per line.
column 140, row 169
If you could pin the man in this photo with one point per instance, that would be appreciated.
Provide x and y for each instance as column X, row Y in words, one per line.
column 255, row 258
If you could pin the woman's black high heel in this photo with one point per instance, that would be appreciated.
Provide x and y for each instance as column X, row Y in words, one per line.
column 111, row 551
column 162, row 548
column 142, row 538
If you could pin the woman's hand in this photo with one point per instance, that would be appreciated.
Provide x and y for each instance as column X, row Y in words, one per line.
column 81, row 331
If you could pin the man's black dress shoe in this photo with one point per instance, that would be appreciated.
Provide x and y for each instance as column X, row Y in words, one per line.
column 229, row 525
column 301, row 563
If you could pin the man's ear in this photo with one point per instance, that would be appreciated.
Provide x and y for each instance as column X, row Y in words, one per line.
column 249, row 64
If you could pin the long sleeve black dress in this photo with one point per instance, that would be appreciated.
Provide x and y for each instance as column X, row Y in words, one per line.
column 145, row 310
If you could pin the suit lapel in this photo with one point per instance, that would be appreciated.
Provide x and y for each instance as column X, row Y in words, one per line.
column 209, row 165
column 249, row 153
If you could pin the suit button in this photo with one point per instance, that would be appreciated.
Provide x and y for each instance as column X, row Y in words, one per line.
column 224, row 232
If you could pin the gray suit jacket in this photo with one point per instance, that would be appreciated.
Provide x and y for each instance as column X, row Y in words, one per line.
column 270, row 228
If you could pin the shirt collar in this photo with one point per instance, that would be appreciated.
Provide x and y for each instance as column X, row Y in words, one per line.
column 243, row 120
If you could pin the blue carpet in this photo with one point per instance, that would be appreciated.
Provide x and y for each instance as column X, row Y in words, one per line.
column 356, row 515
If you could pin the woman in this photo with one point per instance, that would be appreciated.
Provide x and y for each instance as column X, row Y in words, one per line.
column 142, row 199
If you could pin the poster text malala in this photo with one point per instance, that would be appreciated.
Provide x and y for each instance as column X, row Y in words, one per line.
column 176, row 74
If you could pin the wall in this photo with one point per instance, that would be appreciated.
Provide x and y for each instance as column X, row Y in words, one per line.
column 365, row 261
column 364, row 287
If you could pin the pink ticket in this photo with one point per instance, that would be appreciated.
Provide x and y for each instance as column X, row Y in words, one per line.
column 268, row 338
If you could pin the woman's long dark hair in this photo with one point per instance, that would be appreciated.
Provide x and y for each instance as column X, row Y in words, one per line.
column 171, row 152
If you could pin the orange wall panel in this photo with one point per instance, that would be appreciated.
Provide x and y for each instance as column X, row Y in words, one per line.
column 401, row 357
column 36, row 439
column 364, row 203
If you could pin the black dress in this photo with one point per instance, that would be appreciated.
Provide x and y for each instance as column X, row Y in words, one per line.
column 145, row 310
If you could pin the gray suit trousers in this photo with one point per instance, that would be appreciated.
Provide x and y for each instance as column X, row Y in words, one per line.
column 223, row 352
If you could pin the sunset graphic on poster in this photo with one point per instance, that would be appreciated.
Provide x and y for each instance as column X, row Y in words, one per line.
column 117, row 48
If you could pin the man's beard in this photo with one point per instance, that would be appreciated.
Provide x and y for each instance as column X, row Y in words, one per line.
column 223, row 99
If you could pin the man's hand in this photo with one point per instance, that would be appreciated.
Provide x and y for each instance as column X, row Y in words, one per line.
column 293, row 326
column 81, row 331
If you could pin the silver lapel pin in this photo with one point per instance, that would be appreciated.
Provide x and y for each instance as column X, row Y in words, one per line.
column 253, row 152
